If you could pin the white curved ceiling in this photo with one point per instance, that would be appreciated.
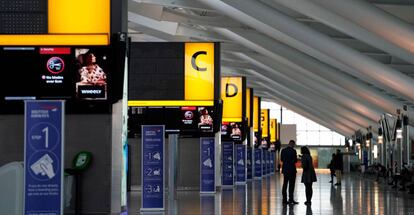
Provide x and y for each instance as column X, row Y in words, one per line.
column 340, row 63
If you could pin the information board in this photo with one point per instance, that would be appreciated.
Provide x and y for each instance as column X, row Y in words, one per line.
column 207, row 165
column 264, row 162
column 258, row 163
column 227, row 174
column 152, row 170
column 43, row 161
column 249, row 162
column 240, row 163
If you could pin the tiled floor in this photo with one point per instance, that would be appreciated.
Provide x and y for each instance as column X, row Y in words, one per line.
column 357, row 195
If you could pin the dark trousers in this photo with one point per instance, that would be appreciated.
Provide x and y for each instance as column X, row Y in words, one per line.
column 308, row 191
column 290, row 178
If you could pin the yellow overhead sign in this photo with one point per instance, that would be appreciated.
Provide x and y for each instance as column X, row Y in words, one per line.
column 256, row 113
column 248, row 107
column 70, row 22
column 264, row 115
column 79, row 16
column 199, row 71
column 273, row 128
column 232, row 96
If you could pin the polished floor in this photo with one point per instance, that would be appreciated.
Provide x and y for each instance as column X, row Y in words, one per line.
column 357, row 195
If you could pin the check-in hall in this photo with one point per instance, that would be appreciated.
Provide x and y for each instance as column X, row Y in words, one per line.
column 206, row 107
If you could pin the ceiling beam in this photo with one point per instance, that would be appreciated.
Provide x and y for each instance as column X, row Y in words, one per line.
column 285, row 29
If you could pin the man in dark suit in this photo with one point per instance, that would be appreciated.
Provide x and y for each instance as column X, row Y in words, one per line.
column 289, row 158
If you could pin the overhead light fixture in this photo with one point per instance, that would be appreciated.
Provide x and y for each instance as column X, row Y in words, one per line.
column 375, row 151
column 380, row 136
column 398, row 128
column 350, row 142
column 380, row 139
column 367, row 142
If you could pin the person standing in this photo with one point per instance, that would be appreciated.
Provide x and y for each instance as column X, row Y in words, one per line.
column 288, row 156
column 309, row 175
column 331, row 167
column 339, row 167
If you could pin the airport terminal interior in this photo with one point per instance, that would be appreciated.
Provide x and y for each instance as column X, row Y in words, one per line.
column 206, row 107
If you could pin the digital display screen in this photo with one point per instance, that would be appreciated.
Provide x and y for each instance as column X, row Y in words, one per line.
column 91, row 73
column 264, row 143
column 231, row 131
column 69, row 73
column 192, row 121
column 197, row 119
column 205, row 123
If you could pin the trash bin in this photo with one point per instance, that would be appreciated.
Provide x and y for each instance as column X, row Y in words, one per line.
column 80, row 163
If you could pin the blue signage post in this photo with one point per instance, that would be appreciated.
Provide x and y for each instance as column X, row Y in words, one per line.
column 249, row 163
column 272, row 162
column 227, row 174
column 258, row 163
column 264, row 162
column 268, row 168
column 43, row 157
column 207, row 165
column 152, row 170
column 240, row 163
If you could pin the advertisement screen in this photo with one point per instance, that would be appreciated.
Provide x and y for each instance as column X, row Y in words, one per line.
column 232, row 131
column 205, row 123
column 91, row 80
column 70, row 73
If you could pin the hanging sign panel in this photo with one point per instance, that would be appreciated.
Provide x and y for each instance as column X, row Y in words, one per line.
column 199, row 71
column 233, row 96
column 272, row 131
column 249, row 106
column 264, row 115
column 256, row 113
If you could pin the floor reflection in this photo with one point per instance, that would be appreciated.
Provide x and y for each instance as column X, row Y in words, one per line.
column 357, row 195
column 207, row 204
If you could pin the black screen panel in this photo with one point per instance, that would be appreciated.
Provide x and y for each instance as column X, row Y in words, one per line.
column 156, row 71
column 23, row 17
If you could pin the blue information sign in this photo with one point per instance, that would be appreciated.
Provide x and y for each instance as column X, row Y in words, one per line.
column 272, row 162
column 365, row 159
column 240, row 163
column 268, row 170
column 257, row 163
column 207, row 165
column 227, row 152
column 43, row 159
column 264, row 156
column 249, row 163
column 152, row 171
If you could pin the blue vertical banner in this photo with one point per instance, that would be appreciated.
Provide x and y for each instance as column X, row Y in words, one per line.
column 365, row 159
column 152, row 171
column 268, row 168
column 249, row 163
column 207, row 165
column 240, row 163
column 258, row 163
column 264, row 162
column 43, row 157
column 227, row 175
column 272, row 162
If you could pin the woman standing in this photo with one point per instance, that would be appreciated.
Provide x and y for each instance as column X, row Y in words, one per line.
column 309, row 175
